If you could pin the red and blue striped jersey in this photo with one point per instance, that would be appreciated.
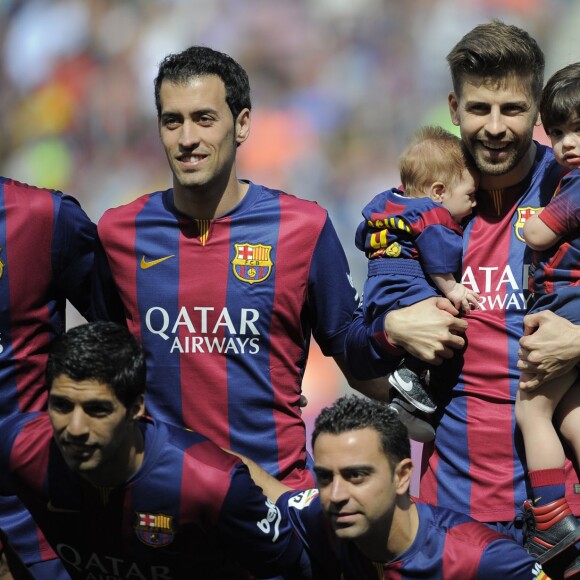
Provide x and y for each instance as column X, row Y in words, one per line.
column 190, row 511
column 559, row 266
column 476, row 465
column 225, row 310
column 448, row 546
column 396, row 226
column 46, row 257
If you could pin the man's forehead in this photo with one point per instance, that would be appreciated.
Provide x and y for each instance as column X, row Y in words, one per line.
column 360, row 446
column 519, row 85
column 82, row 390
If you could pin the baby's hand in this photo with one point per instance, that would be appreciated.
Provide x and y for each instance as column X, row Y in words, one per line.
column 462, row 298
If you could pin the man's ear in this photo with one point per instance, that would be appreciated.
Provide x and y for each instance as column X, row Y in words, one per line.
column 242, row 126
column 437, row 191
column 403, row 472
column 137, row 409
column 453, row 103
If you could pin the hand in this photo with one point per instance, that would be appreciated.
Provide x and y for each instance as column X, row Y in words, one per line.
column 549, row 348
column 428, row 329
column 463, row 298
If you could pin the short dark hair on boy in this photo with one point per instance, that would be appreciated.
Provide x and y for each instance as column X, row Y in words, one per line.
column 102, row 351
column 561, row 97
column 351, row 413
column 199, row 61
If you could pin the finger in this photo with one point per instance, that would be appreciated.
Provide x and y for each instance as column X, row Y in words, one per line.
column 447, row 306
column 531, row 323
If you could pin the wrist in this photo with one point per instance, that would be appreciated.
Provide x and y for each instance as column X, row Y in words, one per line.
column 382, row 337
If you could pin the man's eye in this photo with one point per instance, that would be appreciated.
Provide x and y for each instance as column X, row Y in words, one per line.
column 60, row 406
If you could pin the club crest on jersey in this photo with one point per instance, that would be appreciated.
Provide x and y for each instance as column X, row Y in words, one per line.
column 155, row 530
column 524, row 213
column 252, row 263
column 1, row 266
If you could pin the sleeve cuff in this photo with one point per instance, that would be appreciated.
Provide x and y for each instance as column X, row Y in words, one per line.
column 382, row 339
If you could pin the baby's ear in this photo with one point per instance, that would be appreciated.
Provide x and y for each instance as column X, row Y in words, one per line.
column 437, row 191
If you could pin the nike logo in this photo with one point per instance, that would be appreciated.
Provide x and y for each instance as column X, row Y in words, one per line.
column 57, row 510
column 145, row 264
column 407, row 385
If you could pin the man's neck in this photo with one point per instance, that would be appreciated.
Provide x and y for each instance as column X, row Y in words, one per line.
column 401, row 534
column 517, row 174
column 209, row 203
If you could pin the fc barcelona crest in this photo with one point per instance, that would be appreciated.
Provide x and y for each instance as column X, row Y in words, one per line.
column 524, row 213
column 154, row 530
column 252, row 262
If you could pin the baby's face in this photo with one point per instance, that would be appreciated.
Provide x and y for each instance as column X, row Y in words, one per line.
column 459, row 197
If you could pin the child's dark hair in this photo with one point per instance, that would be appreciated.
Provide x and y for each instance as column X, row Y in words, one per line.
column 561, row 97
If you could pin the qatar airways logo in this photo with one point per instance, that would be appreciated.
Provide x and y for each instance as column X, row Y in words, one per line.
column 204, row 329
column 102, row 567
column 499, row 288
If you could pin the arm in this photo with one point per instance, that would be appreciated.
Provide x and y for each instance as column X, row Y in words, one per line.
column 549, row 348
column 73, row 253
column 377, row 389
column 429, row 330
column 538, row 235
column 271, row 487
column 106, row 303
column 11, row 566
column 462, row 298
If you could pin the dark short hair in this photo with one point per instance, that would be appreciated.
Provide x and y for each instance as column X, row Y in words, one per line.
column 496, row 51
column 199, row 61
column 102, row 351
column 351, row 413
column 561, row 96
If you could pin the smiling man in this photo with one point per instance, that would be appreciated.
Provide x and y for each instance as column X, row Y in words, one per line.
column 223, row 280
column 477, row 463
column 362, row 522
column 121, row 496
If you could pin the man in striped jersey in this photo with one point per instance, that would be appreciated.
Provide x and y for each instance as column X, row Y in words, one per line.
column 223, row 280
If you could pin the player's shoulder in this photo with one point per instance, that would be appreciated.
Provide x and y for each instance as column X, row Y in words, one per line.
column 132, row 206
column 458, row 525
column 32, row 199
column 289, row 201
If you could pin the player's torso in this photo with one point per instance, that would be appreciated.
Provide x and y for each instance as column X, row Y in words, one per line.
column 220, row 307
column 477, row 468
column 154, row 527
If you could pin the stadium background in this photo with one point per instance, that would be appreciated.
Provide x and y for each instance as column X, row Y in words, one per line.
column 337, row 87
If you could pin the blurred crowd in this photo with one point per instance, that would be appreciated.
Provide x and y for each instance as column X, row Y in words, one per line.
column 337, row 87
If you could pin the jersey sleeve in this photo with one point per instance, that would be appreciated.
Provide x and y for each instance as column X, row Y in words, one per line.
column 562, row 214
column 73, row 248
column 318, row 555
column 506, row 559
column 440, row 249
column 367, row 349
column 73, row 253
column 253, row 527
column 10, row 428
column 332, row 298
column 106, row 303
column 15, row 565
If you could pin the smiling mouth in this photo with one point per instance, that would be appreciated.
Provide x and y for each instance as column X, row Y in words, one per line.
column 495, row 146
